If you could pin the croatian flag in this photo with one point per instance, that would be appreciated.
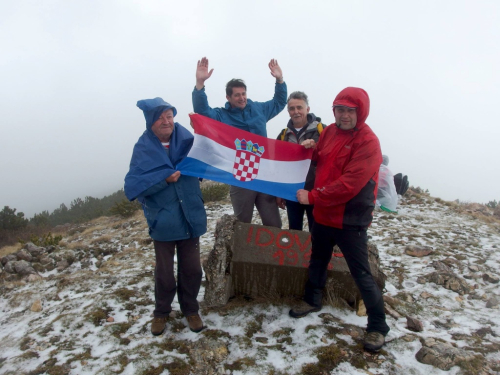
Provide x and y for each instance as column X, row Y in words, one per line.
column 235, row 157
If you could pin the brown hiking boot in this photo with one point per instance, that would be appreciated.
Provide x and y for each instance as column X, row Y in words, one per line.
column 302, row 309
column 158, row 325
column 195, row 323
column 374, row 341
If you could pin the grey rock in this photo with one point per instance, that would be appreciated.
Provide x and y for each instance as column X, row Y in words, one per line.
column 38, row 267
column 6, row 259
column 492, row 302
column 414, row 324
column 440, row 266
column 418, row 251
column 62, row 265
column 218, row 288
column 23, row 268
column 448, row 280
column 45, row 261
column 474, row 268
column 489, row 277
column 444, row 356
column 33, row 249
column 9, row 267
column 51, row 249
column 24, row 254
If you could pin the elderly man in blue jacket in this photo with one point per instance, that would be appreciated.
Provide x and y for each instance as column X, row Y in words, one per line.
column 174, row 209
column 251, row 116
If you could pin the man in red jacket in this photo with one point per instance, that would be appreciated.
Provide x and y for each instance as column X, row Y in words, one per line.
column 348, row 159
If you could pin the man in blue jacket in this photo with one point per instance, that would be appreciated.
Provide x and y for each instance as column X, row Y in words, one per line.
column 173, row 208
column 251, row 116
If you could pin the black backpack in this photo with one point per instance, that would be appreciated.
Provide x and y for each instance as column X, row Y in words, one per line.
column 401, row 183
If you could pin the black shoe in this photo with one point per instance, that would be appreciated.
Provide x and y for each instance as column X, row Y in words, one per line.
column 302, row 309
column 374, row 341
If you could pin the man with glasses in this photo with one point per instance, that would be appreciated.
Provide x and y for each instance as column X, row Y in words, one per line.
column 348, row 158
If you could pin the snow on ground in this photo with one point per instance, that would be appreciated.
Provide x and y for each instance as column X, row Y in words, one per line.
column 71, row 335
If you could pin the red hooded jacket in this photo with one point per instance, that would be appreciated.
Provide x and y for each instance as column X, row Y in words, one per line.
column 348, row 162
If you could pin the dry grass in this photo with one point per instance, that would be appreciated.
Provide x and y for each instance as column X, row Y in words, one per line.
column 6, row 250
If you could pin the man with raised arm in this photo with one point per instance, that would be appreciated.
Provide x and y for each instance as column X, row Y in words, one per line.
column 251, row 116
column 348, row 158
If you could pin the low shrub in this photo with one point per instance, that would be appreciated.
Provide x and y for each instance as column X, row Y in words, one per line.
column 214, row 192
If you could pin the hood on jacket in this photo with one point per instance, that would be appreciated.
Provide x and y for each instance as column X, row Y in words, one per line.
column 153, row 108
column 354, row 97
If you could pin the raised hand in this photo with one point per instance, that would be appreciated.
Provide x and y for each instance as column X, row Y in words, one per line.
column 276, row 70
column 202, row 73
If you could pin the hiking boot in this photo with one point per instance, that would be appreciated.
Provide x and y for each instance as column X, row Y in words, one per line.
column 195, row 323
column 158, row 325
column 374, row 341
column 302, row 309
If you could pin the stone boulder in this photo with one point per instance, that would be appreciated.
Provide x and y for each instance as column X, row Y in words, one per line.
column 6, row 259
column 444, row 356
column 23, row 268
column 34, row 250
column 24, row 254
column 255, row 260
column 448, row 280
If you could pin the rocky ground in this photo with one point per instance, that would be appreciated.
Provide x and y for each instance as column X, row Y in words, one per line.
column 84, row 307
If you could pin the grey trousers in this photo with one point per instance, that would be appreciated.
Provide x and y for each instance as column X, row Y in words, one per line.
column 189, row 276
column 243, row 201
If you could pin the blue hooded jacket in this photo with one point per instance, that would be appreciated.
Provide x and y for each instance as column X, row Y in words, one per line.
column 174, row 211
column 253, row 118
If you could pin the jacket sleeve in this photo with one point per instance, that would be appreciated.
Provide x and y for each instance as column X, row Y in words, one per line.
column 153, row 189
column 200, row 105
column 363, row 166
column 274, row 106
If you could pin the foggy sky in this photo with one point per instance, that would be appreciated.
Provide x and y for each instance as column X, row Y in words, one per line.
column 71, row 73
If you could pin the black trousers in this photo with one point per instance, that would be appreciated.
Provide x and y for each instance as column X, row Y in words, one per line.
column 295, row 212
column 189, row 276
column 354, row 246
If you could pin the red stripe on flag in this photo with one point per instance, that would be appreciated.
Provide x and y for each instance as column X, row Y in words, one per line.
column 225, row 135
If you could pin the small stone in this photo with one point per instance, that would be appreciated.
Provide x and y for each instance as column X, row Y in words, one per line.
column 459, row 299
column 492, row 302
column 6, row 259
column 418, row 251
column 262, row 340
column 425, row 295
column 361, row 309
column 473, row 268
column 389, row 310
column 324, row 340
column 110, row 319
column 414, row 324
column 37, row 306
column 489, row 277
column 22, row 267
column 24, row 255
column 33, row 277
column 9, row 267
column 62, row 265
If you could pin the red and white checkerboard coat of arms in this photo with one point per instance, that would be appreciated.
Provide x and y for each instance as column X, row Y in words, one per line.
column 247, row 160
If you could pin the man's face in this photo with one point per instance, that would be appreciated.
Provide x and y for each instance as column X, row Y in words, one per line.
column 239, row 98
column 345, row 117
column 298, row 110
column 164, row 126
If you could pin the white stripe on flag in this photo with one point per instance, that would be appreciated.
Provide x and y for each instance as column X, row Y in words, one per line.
column 221, row 157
